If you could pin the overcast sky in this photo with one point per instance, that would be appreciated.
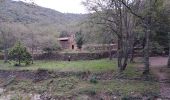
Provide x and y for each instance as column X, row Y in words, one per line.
column 65, row 6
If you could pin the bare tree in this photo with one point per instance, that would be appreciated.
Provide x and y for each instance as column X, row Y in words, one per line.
column 169, row 51
column 115, row 17
column 148, row 7
column 8, row 38
column 5, row 47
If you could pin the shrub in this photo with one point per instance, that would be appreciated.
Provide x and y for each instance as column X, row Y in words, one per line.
column 52, row 48
column 64, row 34
column 93, row 80
column 20, row 54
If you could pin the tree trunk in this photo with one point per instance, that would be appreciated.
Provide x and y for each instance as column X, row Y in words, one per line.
column 132, row 55
column 19, row 61
column 132, row 50
column 5, row 45
column 119, row 54
column 5, row 54
column 110, row 51
column 146, row 52
column 126, row 56
column 125, row 62
column 32, row 51
column 32, row 55
column 32, row 46
column 169, row 51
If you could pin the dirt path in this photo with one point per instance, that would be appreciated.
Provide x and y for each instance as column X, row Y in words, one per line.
column 158, row 67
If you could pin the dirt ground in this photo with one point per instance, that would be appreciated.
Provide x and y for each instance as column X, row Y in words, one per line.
column 158, row 67
column 158, row 61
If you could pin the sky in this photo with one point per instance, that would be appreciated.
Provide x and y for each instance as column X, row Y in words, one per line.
column 65, row 6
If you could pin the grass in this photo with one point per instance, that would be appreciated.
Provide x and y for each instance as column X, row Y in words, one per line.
column 102, row 65
column 73, row 85
column 95, row 66
column 89, row 65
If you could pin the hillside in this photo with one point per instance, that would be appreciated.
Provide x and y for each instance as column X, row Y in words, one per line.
column 36, row 25
column 20, row 12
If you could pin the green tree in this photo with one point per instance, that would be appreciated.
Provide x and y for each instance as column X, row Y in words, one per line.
column 79, row 39
column 64, row 34
column 20, row 54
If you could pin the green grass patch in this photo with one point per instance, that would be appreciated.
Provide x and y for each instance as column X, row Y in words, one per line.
column 102, row 65
column 88, row 65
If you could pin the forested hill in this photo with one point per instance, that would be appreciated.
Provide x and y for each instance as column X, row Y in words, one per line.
column 26, row 22
column 12, row 11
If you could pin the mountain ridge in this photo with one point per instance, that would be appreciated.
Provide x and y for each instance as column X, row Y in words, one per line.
column 20, row 12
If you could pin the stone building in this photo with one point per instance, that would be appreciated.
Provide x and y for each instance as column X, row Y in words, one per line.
column 68, row 42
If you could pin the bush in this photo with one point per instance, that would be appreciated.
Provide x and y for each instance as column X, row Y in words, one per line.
column 51, row 49
column 20, row 54
column 64, row 34
column 93, row 80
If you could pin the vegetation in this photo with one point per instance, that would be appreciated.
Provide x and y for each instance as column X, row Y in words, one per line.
column 89, row 65
column 20, row 54
column 138, row 27
column 79, row 39
column 68, row 85
column 144, row 19
column 94, row 66
column 36, row 27
column 52, row 47
column 64, row 34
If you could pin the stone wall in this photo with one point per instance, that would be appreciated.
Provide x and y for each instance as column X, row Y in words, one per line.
column 1, row 57
column 100, row 47
column 73, row 56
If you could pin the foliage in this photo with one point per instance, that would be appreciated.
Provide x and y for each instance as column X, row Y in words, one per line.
column 20, row 54
column 79, row 39
column 51, row 48
column 156, row 48
column 64, row 34
column 93, row 80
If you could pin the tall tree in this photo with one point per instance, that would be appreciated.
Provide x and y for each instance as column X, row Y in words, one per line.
column 147, row 17
column 169, row 50
column 115, row 17
column 79, row 39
